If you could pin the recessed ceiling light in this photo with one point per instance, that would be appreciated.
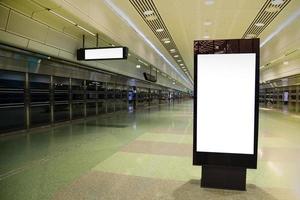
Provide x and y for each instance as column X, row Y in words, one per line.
column 138, row 66
column 179, row 60
column 167, row 41
column 286, row 62
column 160, row 30
column 151, row 17
column 207, row 23
column 148, row 12
column 181, row 64
column 277, row 2
column 272, row 9
column 209, row 2
column 206, row 37
column 174, row 83
column 176, row 56
column 172, row 50
column 249, row 36
column 259, row 24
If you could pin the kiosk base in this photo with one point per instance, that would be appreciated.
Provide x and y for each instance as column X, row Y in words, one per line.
column 223, row 177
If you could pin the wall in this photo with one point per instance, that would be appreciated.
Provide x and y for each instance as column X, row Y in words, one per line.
column 24, row 31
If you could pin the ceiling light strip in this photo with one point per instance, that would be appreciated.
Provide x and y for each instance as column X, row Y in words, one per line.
column 141, row 8
column 264, row 17
column 287, row 22
column 123, row 16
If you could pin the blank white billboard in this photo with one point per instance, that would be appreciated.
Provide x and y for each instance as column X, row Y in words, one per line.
column 104, row 53
column 226, row 103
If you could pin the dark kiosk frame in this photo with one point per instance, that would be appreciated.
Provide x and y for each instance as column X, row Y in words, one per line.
column 81, row 53
column 227, row 164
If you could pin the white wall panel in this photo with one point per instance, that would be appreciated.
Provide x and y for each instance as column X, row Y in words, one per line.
column 60, row 40
column 3, row 16
column 12, row 39
column 27, row 33
column 39, row 47
column 24, row 26
column 66, row 55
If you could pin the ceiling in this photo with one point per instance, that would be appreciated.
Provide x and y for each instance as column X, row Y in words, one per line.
column 191, row 20
column 185, row 20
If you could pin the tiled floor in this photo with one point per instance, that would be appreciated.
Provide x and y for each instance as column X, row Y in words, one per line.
column 143, row 155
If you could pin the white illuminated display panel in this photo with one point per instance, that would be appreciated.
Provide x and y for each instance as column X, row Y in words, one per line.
column 225, row 103
column 105, row 53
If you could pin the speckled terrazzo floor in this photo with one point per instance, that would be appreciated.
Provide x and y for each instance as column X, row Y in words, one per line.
column 142, row 155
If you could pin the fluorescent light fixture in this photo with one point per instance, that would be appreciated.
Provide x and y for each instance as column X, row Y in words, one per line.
column 151, row 17
column 259, row 24
column 102, row 53
column 138, row 66
column 59, row 15
column 207, row 23
column 181, row 64
column 277, row 2
column 172, row 50
column 287, row 22
column 167, row 41
column 209, row 2
column 272, row 9
column 249, row 36
column 144, row 63
column 119, row 12
column 82, row 28
column 235, row 130
column 159, row 30
column 176, row 56
column 179, row 60
column 148, row 12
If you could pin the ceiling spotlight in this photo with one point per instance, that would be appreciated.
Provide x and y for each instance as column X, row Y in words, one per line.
column 207, row 23
column 159, row 30
column 259, row 24
column 209, row 2
column 148, row 12
column 272, row 9
column 277, row 2
column 174, row 83
column 151, row 17
column 286, row 62
column 138, row 66
column 249, row 36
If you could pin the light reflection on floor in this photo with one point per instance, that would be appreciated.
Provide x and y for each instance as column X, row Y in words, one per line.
column 141, row 155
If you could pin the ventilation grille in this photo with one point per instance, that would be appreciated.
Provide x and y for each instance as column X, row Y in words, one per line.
column 150, row 14
column 264, row 17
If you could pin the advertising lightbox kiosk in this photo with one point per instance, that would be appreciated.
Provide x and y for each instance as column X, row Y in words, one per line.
column 226, row 110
